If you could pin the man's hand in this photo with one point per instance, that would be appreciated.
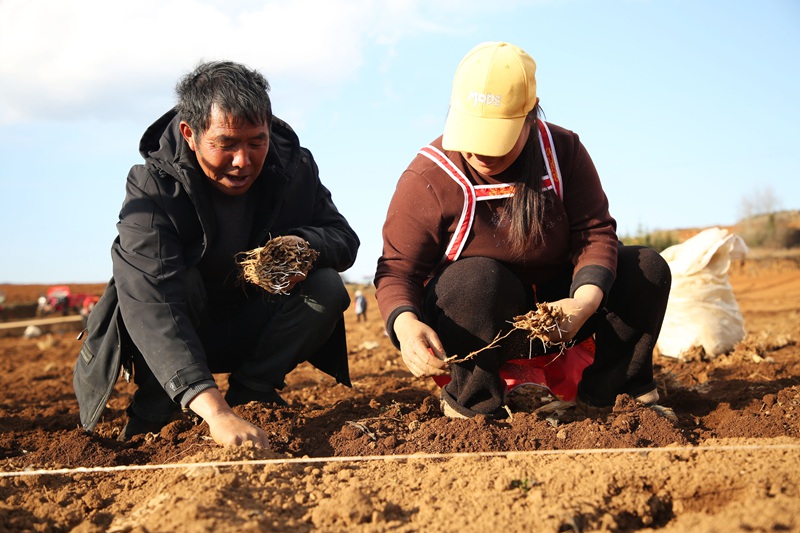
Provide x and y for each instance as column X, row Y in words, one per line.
column 293, row 280
column 578, row 309
column 420, row 346
column 297, row 278
column 226, row 427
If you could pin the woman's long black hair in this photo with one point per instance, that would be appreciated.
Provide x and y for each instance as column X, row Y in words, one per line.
column 524, row 212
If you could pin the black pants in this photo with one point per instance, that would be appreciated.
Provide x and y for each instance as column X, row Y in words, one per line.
column 474, row 299
column 259, row 339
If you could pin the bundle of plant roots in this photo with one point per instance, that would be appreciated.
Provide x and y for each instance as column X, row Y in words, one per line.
column 539, row 323
column 271, row 266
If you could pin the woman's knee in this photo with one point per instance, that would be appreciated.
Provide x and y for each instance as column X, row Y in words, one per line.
column 479, row 286
column 643, row 278
column 647, row 262
column 655, row 268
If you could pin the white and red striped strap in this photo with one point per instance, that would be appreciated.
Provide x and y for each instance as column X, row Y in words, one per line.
column 553, row 179
column 459, row 238
column 494, row 191
column 476, row 193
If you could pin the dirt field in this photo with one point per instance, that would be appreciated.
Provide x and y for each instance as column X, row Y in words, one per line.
column 379, row 456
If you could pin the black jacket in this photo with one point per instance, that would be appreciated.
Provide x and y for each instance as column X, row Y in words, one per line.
column 165, row 226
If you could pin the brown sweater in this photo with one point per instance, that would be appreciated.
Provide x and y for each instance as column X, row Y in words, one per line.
column 425, row 211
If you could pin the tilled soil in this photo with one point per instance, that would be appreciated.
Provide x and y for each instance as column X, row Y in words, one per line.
column 379, row 456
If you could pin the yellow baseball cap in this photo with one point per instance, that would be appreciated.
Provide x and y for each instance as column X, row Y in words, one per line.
column 494, row 89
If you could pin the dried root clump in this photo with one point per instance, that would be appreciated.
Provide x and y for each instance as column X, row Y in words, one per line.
column 541, row 322
column 271, row 266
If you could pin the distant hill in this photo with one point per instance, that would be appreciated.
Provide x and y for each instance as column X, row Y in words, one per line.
column 774, row 231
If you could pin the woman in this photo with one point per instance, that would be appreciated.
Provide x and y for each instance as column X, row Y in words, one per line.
column 501, row 212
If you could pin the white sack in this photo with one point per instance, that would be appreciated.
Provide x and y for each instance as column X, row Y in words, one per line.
column 31, row 332
column 702, row 310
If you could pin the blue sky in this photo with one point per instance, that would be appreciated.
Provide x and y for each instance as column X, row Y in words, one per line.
column 688, row 108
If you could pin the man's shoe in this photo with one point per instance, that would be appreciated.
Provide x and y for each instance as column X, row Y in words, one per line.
column 139, row 426
column 238, row 394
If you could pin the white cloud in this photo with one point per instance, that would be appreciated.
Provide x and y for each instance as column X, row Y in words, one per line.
column 63, row 60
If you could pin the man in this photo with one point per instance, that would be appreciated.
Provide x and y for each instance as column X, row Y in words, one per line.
column 221, row 176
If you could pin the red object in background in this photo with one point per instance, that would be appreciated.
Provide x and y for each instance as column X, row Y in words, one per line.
column 60, row 299
column 560, row 373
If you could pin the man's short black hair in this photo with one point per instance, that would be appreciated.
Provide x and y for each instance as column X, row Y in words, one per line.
column 237, row 90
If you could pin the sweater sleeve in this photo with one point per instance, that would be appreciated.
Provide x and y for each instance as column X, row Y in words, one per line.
column 593, row 238
column 412, row 247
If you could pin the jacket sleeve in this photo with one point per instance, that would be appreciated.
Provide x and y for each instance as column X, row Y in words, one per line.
column 327, row 231
column 150, row 272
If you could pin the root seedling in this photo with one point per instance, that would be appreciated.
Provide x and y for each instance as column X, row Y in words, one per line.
column 271, row 266
column 540, row 323
column 364, row 429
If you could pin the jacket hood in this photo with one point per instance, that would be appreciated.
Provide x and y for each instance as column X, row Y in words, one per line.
column 163, row 144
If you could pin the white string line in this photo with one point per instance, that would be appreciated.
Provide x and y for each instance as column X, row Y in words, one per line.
column 407, row 457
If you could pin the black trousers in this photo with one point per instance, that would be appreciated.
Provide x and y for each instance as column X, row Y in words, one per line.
column 474, row 299
column 259, row 339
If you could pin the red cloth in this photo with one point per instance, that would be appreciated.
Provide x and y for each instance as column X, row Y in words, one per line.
column 560, row 373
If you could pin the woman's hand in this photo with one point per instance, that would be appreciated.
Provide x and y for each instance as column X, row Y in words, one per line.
column 420, row 346
column 577, row 311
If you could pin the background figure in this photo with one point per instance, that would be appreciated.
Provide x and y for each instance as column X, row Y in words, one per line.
column 361, row 307
column 63, row 304
column 86, row 309
column 221, row 176
column 41, row 306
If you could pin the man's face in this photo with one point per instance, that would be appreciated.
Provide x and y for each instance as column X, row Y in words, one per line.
column 230, row 154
